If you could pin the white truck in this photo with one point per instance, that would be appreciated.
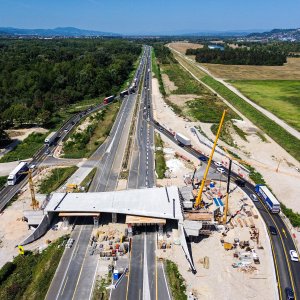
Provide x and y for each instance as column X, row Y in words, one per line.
column 50, row 138
column 19, row 170
column 269, row 199
column 182, row 140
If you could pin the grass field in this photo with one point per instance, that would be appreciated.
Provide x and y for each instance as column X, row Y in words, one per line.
column 281, row 97
column 84, row 143
column 290, row 143
column 29, row 276
column 185, row 83
column 56, row 179
column 26, row 149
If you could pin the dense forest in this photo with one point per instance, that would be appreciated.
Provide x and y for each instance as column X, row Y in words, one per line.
column 37, row 77
column 256, row 55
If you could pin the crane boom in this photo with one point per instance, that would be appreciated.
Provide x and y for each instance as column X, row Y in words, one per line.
column 199, row 196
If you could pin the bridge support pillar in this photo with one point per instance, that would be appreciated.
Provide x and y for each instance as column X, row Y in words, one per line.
column 96, row 221
column 160, row 229
column 66, row 221
column 114, row 218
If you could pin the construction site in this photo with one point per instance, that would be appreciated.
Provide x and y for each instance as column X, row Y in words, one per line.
column 206, row 211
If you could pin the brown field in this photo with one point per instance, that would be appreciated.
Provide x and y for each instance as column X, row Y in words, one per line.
column 182, row 46
column 289, row 71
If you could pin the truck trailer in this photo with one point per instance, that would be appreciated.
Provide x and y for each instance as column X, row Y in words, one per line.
column 18, row 172
column 109, row 99
column 182, row 140
column 50, row 138
column 124, row 93
column 269, row 199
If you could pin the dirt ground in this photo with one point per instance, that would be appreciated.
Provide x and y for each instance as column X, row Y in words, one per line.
column 178, row 167
column 13, row 230
column 264, row 156
column 168, row 84
column 250, row 284
column 22, row 134
column 289, row 71
column 183, row 46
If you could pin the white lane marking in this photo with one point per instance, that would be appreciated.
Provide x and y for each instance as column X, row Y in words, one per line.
column 58, row 294
column 94, row 280
column 146, row 289
column 166, row 281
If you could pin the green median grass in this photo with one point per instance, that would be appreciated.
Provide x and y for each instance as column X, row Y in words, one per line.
column 160, row 162
column 86, row 182
column 281, row 97
column 176, row 281
column 84, row 143
column 29, row 276
column 26, row 149
column 3, row 180
column 287, row 141
column 56, row 178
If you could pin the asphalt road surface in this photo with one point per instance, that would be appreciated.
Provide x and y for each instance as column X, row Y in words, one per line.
column 75, row 275
column 8, row 192
column 287, row 271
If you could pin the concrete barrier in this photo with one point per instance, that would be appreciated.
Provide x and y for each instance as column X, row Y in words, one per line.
column 38, row 232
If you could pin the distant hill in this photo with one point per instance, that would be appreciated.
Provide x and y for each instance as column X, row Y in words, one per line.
column 59, row 31
column 278, row 34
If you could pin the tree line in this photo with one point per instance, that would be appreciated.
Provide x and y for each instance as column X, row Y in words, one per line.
column 37, row 77
column 258, row 55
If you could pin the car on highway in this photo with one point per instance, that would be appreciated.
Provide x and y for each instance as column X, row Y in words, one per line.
column 218, row 164
column 47, row 152
column 202, row 158
column 294, row 255
column 220, row 170
column 32, row 167
column 289, row 293
column 240, row 182
column 253, row 197
column 273, row 230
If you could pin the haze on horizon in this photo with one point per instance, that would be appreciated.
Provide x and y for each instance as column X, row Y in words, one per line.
column 151, row 17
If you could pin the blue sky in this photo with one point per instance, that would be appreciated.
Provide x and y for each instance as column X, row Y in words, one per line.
column 152, row 16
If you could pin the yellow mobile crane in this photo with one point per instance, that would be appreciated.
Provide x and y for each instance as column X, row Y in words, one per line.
column 34, row 202
column 199, row 202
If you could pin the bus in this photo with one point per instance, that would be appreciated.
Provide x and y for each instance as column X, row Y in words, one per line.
column 15, row 175
column 269, row 199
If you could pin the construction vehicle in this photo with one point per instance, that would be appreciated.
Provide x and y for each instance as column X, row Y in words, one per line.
column 72, row 187
column 34, row 203
column 199, row 202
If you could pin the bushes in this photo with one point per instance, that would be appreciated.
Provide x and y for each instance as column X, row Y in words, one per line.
column 176, row 281
column 6, row 271
column 291, row 215
column 25, row 149
column 56, row 179
column 29, row 275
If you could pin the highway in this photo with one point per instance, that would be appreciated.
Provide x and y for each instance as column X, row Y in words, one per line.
column 287, row 271
column 75, row 276
column 146, row 278
column 141, row 173
column 8, row 192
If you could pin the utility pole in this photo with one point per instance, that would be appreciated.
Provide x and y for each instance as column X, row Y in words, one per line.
column 227, row 193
